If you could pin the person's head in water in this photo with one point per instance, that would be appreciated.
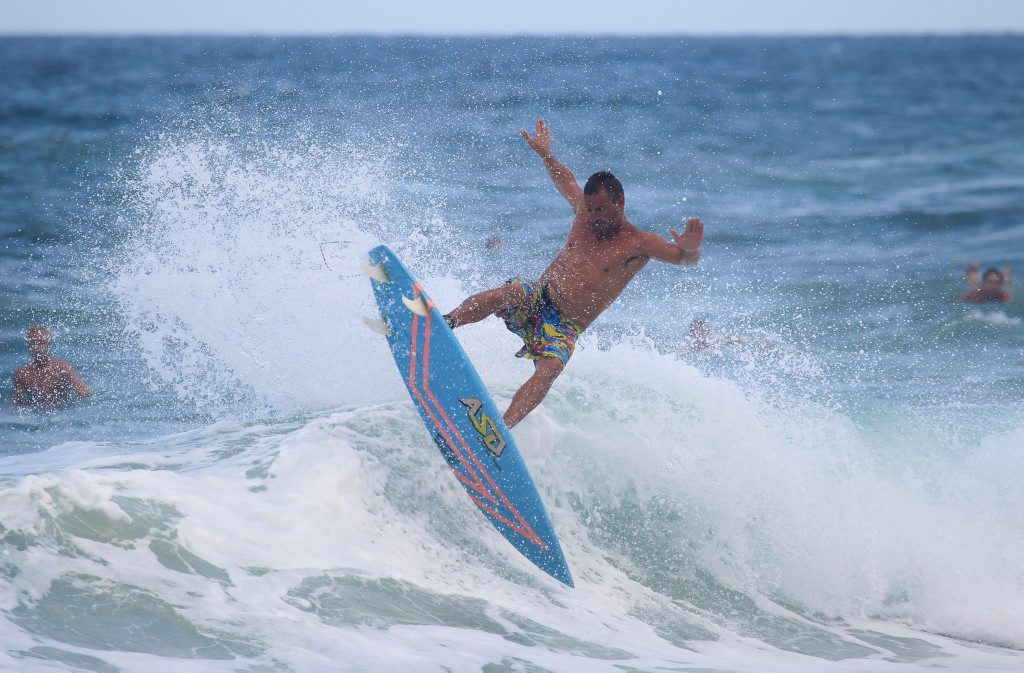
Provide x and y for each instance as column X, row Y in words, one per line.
column 699, row 333
column 39, row 340
column 604, row 202
column 992, row 281
column 992, row 288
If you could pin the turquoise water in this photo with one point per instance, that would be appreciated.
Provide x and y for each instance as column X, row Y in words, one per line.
column 250, row 489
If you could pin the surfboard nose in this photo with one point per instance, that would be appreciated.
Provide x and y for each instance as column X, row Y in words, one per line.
column 376, row 272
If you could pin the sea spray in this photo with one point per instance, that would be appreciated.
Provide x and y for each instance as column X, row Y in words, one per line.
column 240, row 280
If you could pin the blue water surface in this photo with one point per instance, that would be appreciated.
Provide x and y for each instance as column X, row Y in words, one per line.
column 845, row 183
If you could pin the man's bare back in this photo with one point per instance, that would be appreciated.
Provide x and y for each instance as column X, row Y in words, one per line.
column 602, row 254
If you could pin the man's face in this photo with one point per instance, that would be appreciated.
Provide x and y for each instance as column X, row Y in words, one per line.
column 603, row 215
column 38, row 345
column 991, row 283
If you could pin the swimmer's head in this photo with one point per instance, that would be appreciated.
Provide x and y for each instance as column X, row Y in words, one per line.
column 700, row 331
column 992, row 280
column 39, row 340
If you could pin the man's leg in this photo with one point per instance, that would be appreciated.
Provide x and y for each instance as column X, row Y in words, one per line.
column 480, row 305
column 533, row 391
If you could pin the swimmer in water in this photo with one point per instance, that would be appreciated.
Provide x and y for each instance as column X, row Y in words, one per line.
column 991, row 290
column 699, row 336
column 46, row 381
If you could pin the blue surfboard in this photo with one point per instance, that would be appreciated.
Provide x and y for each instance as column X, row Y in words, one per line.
column 460, row 415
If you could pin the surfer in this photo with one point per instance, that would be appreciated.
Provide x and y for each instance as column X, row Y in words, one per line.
column 602, row 254
column 46, row 381
column 991, row 290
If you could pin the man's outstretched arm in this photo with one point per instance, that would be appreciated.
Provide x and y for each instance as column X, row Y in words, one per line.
column 560, row 174
column 685, row 251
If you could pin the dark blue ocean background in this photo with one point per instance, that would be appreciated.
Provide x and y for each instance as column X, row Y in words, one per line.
column 845, row 184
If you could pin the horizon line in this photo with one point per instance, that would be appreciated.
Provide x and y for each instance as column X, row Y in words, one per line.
column 515, row 35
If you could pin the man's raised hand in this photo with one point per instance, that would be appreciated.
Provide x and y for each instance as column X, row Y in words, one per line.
column 541, row 142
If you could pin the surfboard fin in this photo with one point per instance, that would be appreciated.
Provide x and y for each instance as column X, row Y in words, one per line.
column 378, row 325
column 376, row 272
column 417, row 306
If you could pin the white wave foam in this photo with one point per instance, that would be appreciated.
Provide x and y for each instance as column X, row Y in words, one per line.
column 788, row 499
column 292, row 539
column 241, row 280
column 993, row 318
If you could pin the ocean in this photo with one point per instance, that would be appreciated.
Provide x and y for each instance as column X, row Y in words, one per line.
column 835, row 484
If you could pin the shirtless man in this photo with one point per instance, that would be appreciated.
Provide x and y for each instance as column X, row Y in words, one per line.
column 991, row 289
column 601, row 255
column 46, row 381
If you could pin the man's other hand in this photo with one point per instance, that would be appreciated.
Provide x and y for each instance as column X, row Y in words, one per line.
column 692, row 236
column 541, row 143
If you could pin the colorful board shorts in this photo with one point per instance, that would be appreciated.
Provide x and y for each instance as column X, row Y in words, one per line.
column 545, row 332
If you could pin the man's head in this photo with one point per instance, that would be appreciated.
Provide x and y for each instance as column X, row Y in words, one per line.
column 603, row 203
column 992, row 280
column 39, row 340
column 699, row 333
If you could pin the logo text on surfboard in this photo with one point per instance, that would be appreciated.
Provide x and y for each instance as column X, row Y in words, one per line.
column 484, row 424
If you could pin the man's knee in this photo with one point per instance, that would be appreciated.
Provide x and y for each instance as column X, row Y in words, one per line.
column 509, row 295
column 495, row 299
column 549, row 368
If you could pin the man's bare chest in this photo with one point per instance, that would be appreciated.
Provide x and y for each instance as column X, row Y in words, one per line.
column 602, row 258
column 41, row 379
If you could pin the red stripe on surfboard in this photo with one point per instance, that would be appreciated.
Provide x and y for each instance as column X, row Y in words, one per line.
column 474, row 483
column 524, row 527
column 473, row 479
column 487, row 508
